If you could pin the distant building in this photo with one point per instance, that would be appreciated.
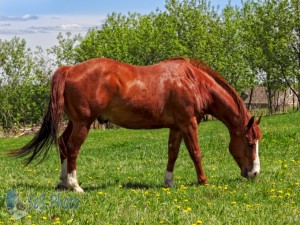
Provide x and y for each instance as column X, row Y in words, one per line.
column 260, row 98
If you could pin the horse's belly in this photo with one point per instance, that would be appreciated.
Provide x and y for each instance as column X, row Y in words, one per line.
column 139, row 118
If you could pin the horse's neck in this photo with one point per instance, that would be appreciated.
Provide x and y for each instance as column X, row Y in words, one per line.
column 224, row 108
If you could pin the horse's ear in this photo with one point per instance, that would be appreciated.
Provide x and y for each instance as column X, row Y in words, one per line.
column 258, row 120
column 250, row 123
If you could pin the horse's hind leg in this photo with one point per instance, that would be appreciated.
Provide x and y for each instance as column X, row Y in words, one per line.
column 62, row 142
column 78, row 135
column 175, row 139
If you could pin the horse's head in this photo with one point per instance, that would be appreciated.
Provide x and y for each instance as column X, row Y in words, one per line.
column 244, row 148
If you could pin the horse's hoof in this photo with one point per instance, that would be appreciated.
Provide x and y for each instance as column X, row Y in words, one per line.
column 61, row 187
column 78, row 189
column 169, row 183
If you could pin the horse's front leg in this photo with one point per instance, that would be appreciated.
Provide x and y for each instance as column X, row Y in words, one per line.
column 190, row 136
column 175, row 139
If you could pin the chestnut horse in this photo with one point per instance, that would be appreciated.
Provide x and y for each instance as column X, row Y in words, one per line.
column 173, row 94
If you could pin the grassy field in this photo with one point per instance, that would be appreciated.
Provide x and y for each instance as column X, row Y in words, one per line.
column 122, row 173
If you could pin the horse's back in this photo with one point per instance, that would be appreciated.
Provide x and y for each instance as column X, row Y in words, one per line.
column 132, row 96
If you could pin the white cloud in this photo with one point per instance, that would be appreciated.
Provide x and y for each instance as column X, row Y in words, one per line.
column 63, row 27
column 42, row 30
column 19, row 18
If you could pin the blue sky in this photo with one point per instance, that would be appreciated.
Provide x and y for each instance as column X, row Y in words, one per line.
column 39, row 21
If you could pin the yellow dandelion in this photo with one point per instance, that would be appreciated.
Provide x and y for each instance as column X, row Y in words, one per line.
column 188, row 209
column 100, row 193
column 175, row 200
column 12, row 219
column 69, row 221
column 233, row 203
column 44, row 218
column 1, row 222
column 146, row 192
column 199, row 222
column 185, row 200
column 183, row 187
column 29, row 217
column 280, row 191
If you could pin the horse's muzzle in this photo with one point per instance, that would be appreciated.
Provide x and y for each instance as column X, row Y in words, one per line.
column 250, row 174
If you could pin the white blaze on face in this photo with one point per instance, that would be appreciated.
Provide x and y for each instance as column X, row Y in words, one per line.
column 256, row 164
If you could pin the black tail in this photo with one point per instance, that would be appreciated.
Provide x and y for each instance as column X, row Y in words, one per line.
column 40, row 145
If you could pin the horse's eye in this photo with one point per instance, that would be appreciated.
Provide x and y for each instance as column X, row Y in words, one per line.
column 250, row 145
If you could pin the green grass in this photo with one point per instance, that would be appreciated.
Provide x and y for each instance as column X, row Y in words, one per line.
column 122, row 173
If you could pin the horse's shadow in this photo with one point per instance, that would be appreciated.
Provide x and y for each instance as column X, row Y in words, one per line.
column 89, row 188
column 128, row 185
column 114, row 183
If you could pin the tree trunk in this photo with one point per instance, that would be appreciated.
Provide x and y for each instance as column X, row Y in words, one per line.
column 250, row 98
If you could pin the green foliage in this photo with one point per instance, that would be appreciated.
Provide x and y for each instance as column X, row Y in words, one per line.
column 23, row 84
column 122, row 173
column 256, row 44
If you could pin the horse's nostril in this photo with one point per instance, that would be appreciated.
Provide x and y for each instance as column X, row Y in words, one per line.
column 255, row 173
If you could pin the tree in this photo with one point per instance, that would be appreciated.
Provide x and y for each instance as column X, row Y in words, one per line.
column 64, row 53
column 268, row 32
column 24, row 84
